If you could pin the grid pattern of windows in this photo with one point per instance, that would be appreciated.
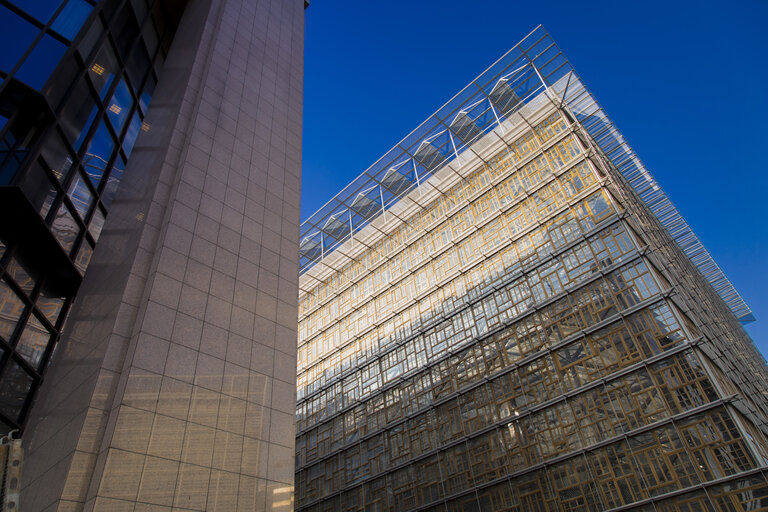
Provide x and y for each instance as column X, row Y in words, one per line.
column 65, row 147
column 510, row 345
column 31, row 316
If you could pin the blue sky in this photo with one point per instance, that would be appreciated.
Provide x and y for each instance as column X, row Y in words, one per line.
column 685, row 82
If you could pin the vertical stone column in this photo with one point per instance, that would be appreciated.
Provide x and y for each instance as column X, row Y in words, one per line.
column 173, row 387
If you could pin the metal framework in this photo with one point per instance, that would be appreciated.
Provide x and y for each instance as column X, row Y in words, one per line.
column 533, row 66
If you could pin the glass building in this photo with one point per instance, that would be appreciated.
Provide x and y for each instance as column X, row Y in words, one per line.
column 505, row 312
column 72, row 102
column 150, row 162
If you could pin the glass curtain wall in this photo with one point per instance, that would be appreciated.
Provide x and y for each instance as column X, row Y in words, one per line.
column 508, row 337
column 78, row 77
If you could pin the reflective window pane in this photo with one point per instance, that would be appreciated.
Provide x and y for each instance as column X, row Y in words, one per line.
column 138, row 65
column 57, row 157
column 20, row 275
column 33, row 341
column 71, row 18
column 146, row 95
column 83, row 257
column 108, row 195
column 49, row 304
column 38, row 188
column 14, row 387
column 15, row 38
column 131, row 134
column 11, row 307
column 80, row 195
column 41, row 10
column 98, row 154
column 39, row 65
column 97, row 222
column 64, row 228
column 79, row 114
column 120, row 106
column 103, row 70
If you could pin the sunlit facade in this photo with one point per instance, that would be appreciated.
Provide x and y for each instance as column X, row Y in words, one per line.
column 491, row 318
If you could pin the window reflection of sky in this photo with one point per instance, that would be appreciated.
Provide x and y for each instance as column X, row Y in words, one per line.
column 41, row 10
column 98, row 153
column 120, row 106
column 18, row 34
column 103, row 70
column 131, row 134
column 80, row 195
column 71, row 18
column 15, row 38
column 39, row 65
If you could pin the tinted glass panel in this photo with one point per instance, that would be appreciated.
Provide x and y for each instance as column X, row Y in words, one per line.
column 57, row 157
column 41, row 62
column 146, row 95
column 103, row 70
column 11, row 307
column 41, row 10
column 131, row 134
column 49, row 305
column 20, row 275
column 120, row 106
column 80, row 195
column 33, row 341
column 79, row 114
column 112, row 182
column 98, row 154
column 97, row 222
column 14, row 386
column 64, row 228
column 15, row 38
column 69, row 21
column 38, row 188
column 138, row 65
column 83, row 257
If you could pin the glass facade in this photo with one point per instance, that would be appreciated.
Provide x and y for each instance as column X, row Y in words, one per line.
column 77, row 78
column 492, row 319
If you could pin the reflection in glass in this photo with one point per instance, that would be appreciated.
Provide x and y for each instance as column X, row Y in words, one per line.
column 14, row 386
column 97, row 222
column 71, row 18
column 80, row 195
column 33, row 341
column 120, row 106
column 112, row 182
column 98, row 154
column 137, row 66
column 146, row 95
column 20, row 275
column 131, row 134
column 15, row 38
column 11, row 307
column 79, row 113
column 49, row 305
column 103, row 70
column 41, row 10
column 37, row 188
column 83, row 257
column 64, row 228
column 40, row 63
